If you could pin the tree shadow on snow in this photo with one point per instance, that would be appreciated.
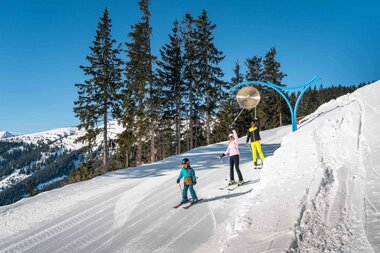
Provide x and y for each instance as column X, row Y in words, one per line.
column 205, row 159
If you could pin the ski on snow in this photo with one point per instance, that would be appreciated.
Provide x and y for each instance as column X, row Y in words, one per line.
column 191, row 204
column 180, row 204
column 225, row 187
column 237, row 185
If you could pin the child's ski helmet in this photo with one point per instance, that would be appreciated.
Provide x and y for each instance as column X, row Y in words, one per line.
column 185, row 161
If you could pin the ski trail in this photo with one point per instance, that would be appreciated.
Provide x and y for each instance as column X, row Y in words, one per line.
column 62, row 226
column 165, row 247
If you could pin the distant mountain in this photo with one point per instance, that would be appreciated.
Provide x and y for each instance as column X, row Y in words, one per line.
column 5, row 134
column 41, row 160
column 64, row 137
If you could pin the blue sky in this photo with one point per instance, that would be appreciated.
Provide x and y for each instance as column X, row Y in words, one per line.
column 42, row 44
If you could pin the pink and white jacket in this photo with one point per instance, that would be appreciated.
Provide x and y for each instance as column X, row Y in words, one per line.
column 233, row 146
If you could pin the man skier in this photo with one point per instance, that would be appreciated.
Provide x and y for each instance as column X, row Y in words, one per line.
column 254, row 135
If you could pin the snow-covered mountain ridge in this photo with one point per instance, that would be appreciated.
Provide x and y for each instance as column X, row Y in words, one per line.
column 52, row 143
column 5, row 134
column 318, row 191
column 64, row 137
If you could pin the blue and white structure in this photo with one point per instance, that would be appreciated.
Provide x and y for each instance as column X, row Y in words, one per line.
column 280, row 89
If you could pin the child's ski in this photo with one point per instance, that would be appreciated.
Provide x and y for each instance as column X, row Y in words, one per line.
column 237, row 185
column 180, row 204
column 191, row 204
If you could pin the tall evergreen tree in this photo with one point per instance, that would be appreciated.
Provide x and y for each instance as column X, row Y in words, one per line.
column 152, row 102
column 191, row 76
column 138, row 98
column 273, row 102
column 255, row 73
column 238, row 76
column 229, row 109
column 210, row 74
column 170, row 74
column 99, row 95
column 254, row 69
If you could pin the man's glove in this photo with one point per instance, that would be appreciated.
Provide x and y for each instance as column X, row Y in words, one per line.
column 221, row 156
column 178, row 181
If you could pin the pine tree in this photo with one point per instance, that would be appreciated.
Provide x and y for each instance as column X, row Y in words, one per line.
column 274, row 104
column 99, row 95
column 170, row 74
column 238, row 76
column 210, row 74
column 191, row 77
column 138, row 97
column 152, row 89
column 254, row 69
column 229, row 109
column 255, row 73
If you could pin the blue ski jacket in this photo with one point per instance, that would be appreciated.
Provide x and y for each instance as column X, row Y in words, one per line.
column 187, row 172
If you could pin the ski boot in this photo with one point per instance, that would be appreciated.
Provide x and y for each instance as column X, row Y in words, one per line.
column 231, row 182
column 184, row 201
column 260, row 164
column 194, row 201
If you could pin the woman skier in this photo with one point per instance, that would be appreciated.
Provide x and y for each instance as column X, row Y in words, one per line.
column 254, row 136
column 233, row 150
column 189, row 179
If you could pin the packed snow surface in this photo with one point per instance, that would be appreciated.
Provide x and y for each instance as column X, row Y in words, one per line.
column 318, row 192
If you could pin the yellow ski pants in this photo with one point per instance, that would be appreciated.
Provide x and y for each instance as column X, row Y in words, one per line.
column 256, row 147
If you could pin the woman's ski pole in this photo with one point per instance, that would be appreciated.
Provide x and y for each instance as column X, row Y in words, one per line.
column 221, row 161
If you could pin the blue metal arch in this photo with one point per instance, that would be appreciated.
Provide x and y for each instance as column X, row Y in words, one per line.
column 279, row 89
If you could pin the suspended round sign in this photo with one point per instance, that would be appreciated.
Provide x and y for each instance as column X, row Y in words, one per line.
column 248, row 97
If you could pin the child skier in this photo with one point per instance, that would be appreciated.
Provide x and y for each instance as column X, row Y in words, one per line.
column 233, row 150
column 254, row 135
column 189, row 179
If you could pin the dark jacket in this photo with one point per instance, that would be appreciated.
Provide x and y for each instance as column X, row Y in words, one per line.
column 254, row 133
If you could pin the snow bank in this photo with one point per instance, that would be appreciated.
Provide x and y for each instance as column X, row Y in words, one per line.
column 320, row 190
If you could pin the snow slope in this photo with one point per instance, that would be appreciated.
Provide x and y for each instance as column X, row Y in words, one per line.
column 318, row 192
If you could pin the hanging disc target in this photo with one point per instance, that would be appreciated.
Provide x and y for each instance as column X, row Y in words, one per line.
column 248, row 97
